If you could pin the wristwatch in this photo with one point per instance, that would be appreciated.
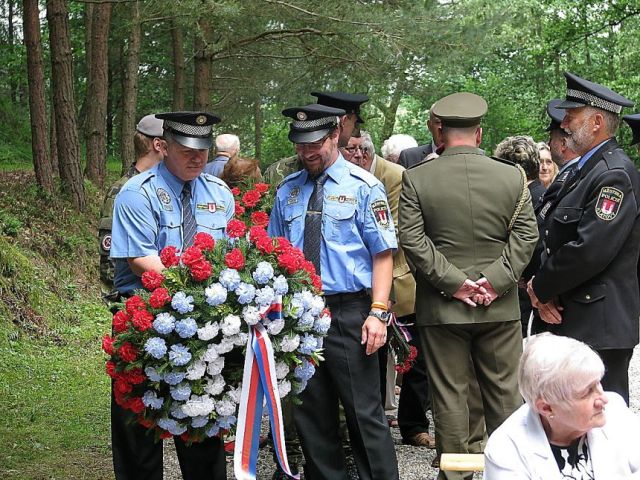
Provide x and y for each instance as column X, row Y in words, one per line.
column 382, row 316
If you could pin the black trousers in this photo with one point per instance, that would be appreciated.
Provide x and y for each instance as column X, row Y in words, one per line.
column 415, row 397
column 352, row 377
column 616, row 374
column 136, row 456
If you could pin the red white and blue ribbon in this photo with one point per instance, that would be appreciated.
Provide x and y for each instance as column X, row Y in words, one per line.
column 259, row 381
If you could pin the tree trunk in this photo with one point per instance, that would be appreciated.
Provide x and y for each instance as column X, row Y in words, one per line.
column 179, row 71
column 96, row 130
column 37, row 105
column 64, row 102
column 10, row 36
column 391, row 111
column 130, row 89
column 53, row 141
column 202, row 68
column 257, row 118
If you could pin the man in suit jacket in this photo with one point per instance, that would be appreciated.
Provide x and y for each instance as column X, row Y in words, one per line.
column 467, row 227
column 587, row 285
column 412, row 156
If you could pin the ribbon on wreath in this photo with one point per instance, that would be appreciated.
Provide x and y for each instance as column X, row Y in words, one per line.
column 402, row 327
column 259, row 381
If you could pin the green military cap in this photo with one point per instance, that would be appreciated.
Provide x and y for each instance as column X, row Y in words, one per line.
column 461, row 110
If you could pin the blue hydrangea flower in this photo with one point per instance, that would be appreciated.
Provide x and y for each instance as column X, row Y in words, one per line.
column 296, row 308
column 186, row 327
column 308, row 344
column 182, row 303
column 179, row 355
column 305, row 370
column 226, row 422
column 171, row 426
column 215, row 294
column 265, row 296
column 212, row 431
column 181, row 392
column 280, row 285
column 263, row 273
column 229, row 278
column 174, row 378
column 152, row 374
column 156, row 347
column 176, row 411
column 201, row 421
column 245, row 293
column 305, row 322
column 305, row 297
column 164, row 323
column 151, row 400
column 322, row 324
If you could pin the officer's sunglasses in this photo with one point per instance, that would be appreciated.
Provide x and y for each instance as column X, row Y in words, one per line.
column 313, row 145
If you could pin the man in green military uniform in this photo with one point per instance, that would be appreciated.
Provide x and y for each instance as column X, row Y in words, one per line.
column 350, row 103
column 467, row 227
column 149, row 149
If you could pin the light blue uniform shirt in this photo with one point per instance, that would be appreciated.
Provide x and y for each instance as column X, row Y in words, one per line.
column 216, row 166
column 356, row 223
column 147, row 216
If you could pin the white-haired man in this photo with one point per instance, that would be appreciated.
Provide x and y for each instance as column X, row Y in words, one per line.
column 227, row 147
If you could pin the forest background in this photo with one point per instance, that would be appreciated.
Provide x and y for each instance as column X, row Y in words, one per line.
column 75, row 76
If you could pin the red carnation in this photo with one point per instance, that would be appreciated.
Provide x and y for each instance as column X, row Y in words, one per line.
column 234, row 259
column 165, row 435
column 262, row 187
column 107, row 345
column 142, row 320
column 159, row 297
column 133, row 304
column 146, row 423
column 239, row 210
column 260, row 219
column 122, row 387
column 204, row 241
column 169, row 256
column 283, row 245
column 256, row 233
column 308, row 267
column 110, row 368
column 317, row 282
column 265, row 245
column 120, row 320
column 191, row 256
column 135, row 404
column 251, row 198
column 201, row 271
column 128, row 352
column 289, row 262
column 236, row 191
column 151, row 280
column 134, row 376
column 185, row 437
column 236, row 228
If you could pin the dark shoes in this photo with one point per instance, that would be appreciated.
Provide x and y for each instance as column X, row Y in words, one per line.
column 422, row 439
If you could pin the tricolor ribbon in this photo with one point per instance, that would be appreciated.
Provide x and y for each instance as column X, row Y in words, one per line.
column 402, row 327
column 259, row 381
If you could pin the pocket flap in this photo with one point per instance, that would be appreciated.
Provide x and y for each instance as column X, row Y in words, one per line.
column 567, row 215
column 590, row 294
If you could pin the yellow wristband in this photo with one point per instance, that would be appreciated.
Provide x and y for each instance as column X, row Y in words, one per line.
column 380, row 305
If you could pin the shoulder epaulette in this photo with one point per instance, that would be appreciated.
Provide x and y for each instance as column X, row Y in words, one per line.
column 213, row 179
column 363, row 175
column 422, row 162
column 289, row 177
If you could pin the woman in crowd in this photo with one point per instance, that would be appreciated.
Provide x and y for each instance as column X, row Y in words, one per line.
column 569, row 428
column 548, row 168
column 393, row 145
column 238, row 170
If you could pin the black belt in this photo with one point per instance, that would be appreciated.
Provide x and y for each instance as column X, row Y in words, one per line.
column 346, row 296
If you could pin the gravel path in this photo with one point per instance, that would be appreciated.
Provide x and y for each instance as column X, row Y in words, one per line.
column 414, row 462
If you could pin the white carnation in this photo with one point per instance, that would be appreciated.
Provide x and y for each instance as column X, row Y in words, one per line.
column 196, row 370
column 214, row 368
column 239, row 340
column 316, row 306
column 284, row 387
column 275, row 327
column 282, row 369
column 211, row 354
column 225, row 407
column 198, row 406
column 215, row 385
column 251, row 315
column 224, row 346
column 209, row 331
column 230, row 325
column 290, row 343
column 235, row 393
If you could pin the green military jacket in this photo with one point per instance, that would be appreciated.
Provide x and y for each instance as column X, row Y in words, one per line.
column 107, row 266
column 278, row 171
column 465, row 215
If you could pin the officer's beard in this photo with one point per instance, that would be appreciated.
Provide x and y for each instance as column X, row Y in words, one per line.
column 580, row 140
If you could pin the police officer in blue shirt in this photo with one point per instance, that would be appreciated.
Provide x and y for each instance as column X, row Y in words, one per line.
column 165, row 206
column 338, row 214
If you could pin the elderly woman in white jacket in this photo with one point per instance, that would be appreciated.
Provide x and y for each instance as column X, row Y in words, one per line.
column 569, row 428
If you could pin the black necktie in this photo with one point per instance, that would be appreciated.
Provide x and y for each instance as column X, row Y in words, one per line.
column 313, row 222
column 188, row 220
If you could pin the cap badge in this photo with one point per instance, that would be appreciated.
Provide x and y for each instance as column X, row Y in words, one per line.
column 201, row 119
column 301, row 116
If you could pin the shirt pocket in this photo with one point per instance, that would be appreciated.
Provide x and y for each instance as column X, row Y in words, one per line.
column 294, row 216
column 567, row 215
column 169, row 231
column 212, row 223
column 339, row 222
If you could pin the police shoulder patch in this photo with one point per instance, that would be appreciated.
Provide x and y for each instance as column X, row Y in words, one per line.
column 608, row 203
column 163, row 196
column 381, row 213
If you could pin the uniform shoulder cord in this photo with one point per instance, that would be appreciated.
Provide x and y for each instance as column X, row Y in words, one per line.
column 521, row 200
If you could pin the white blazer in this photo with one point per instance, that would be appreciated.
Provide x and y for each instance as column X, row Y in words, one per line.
column 519, row 448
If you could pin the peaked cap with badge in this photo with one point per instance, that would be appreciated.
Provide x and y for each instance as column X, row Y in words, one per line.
column 584, row 93
column 190, row 129
column 312, row 122
column 634, row 122
column 556, row 114
column 349, row 102
column 460, row 110
column 150, row 125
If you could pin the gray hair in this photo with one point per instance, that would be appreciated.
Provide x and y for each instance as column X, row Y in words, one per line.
column 367, row 144
column 522, row 150
column 227, row 142
column 393, row 145
column 554, row 368
column 543, row 146
column 612, row 120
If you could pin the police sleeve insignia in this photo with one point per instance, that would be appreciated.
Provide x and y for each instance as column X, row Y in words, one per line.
column 381, row 213
column 608, row 203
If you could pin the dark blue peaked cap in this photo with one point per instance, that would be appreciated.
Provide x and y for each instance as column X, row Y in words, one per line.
column 349, row 102
column 556, row 114
column 583, row 93
column 634, row 122
column 312, row 122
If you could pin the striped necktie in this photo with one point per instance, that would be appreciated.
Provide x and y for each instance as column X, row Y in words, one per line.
column 313, row 222
column 188, row 220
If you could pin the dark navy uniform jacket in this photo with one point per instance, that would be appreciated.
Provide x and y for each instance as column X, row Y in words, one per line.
column 591, row 238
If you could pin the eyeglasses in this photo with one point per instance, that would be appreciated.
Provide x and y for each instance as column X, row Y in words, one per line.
column 352, row 150
column 313, row 145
